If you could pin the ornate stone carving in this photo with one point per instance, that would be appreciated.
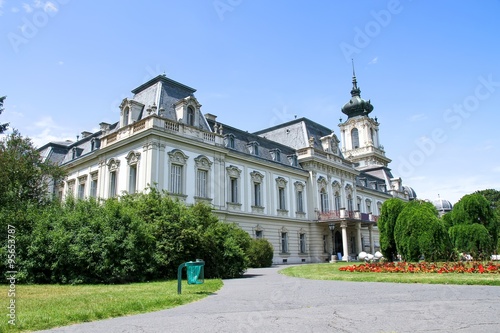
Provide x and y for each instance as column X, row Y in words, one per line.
column 133, row 157
column 281, row 182
column 233, row 171
column 202, row 162
column 177, row 156
column 256, row 176
column 113, row 164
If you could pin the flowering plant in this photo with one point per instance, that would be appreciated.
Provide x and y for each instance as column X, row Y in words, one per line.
column 425, row 267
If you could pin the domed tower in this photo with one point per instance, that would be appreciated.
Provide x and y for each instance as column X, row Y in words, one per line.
column 443, row 206
column 360, row 137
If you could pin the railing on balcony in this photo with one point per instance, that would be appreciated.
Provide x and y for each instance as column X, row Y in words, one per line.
column 162, row 124
column 329, row 215
column 341, row 214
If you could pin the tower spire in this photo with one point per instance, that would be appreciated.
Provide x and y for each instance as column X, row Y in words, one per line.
column 355, row 90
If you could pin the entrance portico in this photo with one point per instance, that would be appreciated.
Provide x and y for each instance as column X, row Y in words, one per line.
column 340, row 222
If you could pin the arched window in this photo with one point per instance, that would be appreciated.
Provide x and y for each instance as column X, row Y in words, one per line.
column 355, row 138
column 125, row 116
column 349, row 203
column 190, row 116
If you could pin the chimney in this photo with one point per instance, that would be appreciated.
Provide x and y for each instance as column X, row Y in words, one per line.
column 210, row 116
column 85, row 134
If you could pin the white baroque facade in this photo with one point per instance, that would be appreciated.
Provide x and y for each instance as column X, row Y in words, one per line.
column 290, row 184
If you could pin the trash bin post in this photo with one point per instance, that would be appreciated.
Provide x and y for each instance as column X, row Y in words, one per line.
column 179, row 277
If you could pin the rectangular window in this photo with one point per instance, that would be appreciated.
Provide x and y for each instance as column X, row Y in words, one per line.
column 81, row 191
column 325, row 244
column 284, row 242
column 302, row 243
column 300, row 202
column 201, row 183
column 256, row 194
column 337, row 201
column 132, row 185
column 93, row 188
column 233, row 196
column 112, row 184
column 324, row 202
column 176, row 179
column 258, row 234
column 281, row 198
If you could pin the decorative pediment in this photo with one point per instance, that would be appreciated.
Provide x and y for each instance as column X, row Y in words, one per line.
column 281, row 182
column 177, row 156
column 233, row 171
column 256, row 176
column 113, row 164
column 336, row 185
column 133, row 157
column 202, row 162
column 348, row 189
column 299, row 186
column 322, row 183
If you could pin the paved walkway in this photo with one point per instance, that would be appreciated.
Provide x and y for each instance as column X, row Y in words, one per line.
column 265, row 301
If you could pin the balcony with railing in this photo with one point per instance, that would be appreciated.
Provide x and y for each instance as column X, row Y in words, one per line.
column 344, row 214
column 164, row 125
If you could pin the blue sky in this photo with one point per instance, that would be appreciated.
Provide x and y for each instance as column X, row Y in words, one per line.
column 431, row 70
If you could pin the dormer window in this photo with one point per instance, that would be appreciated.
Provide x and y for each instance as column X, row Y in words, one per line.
column 126, row 114
column 253, row 147
column 190, row 116
column 94, row 144
column 229, row 140
column 276, row 154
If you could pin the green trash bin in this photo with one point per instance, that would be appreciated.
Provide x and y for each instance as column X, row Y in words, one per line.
column 195, row 272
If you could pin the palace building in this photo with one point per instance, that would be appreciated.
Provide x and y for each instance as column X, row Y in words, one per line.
column 310, row 192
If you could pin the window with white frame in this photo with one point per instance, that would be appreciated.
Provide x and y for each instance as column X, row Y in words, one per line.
column 81, row 187
column 368, row 206
column 253, row 148
column 176, row 179
column 229, row 140
column 349, row 203
column 132, row 161
column 337, row 201
column 71, row 188
column 112, row 184
column 281, row 189
column 355, row 138
column 324, row 201
column 257, row 179
column 358, row 204
column 93, row 184
column 202, row 165
column 233, row 173
column 299, row 195
column 284, row 242
column 113, row 167
column 177, row 160
column 132, row 183
column 302, row 243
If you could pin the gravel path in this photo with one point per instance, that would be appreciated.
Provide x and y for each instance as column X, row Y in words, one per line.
column 265, row 301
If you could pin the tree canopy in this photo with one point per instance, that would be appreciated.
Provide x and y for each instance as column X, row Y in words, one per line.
column 419, row 231
column 3, row 127
column 386, row 223
column 24, row 177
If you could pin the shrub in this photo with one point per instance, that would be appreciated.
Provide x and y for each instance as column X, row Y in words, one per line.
column 260, row 253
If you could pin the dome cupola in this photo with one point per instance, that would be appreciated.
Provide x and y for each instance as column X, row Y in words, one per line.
column 356, row 106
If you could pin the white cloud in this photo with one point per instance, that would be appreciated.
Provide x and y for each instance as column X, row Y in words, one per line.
column 50, row 7
column 27, row 8
column 418, row 117
column 60, row 63
column 373, row 61
column 14, row 9
column 496, row 169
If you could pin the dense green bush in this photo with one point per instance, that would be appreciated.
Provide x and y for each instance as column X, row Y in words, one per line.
column 473, row 239
column 386, row 224
column 260, row 253
column 419, row 231
column 138, row 238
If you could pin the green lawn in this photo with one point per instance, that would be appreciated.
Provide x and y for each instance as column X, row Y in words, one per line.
column 46, row 306
column 331, row 272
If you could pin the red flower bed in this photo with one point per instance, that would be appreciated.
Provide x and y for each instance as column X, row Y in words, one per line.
column 425, row 267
